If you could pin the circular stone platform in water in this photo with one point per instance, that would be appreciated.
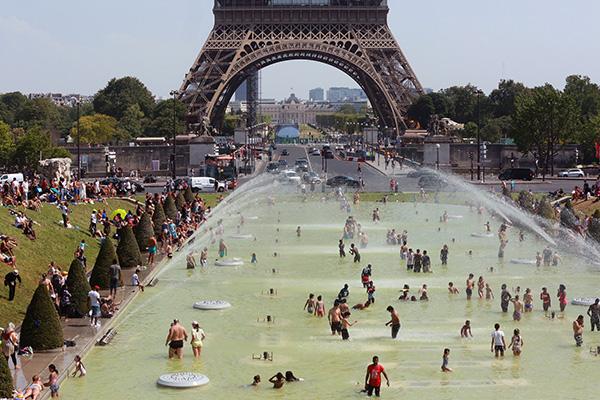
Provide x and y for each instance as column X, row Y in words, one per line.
column 232, row 262
column 241, row 236
column 522, row 261
column 583, row 301
column 482, row 235
column 211, row 305
column 182, row 380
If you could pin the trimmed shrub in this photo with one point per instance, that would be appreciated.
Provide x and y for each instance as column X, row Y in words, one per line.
column 568, row 218
column 158, row 218
column 545, row 209
column 79, row 287
column 170, row 207
column 6, row 383
column 143, row 232
column 188, row 195
column 41, row 327
column 594, row 229
column 179, row 201
column 526, row 200
column 101, row 273
column 128, row 250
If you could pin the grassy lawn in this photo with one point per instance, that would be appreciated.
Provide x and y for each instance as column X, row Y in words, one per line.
column 53, row 243
column 210, row 199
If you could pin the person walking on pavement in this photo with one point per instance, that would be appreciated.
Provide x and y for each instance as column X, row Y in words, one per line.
column 10, row 280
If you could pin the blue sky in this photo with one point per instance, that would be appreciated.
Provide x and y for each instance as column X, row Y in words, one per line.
column 77, row 46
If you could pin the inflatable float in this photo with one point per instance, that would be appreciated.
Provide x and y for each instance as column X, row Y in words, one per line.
column 231, row 262
column 211, row 305
column 482, row 235
column 182, row 380
column 522, row 261
column 583, row 301
column 241, row 236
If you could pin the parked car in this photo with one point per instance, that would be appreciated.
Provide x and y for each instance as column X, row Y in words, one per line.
column 340, row 180
column 572, row 173
column 315, row 152
column 283, row 164
column 524, row 174
column 417, row 173
column 149, row 179
column 302, row 165
column 285, row 152
column 432, row 181
column 311, row 177
column 119, row 184
column 205, row 184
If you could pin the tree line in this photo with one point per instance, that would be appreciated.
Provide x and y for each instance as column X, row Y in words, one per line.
column 539, row 119
column 123, row 110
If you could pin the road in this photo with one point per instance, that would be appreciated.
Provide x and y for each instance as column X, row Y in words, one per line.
column 376, row 181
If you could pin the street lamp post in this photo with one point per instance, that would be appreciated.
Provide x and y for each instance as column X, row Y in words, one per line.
column 437, row 163
column 78, row 142
column 174, row 93
column 478, row 136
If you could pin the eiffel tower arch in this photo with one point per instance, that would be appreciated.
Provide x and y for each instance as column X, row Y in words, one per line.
column 350, row 35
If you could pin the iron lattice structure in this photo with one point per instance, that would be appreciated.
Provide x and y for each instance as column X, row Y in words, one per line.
column 351, row 35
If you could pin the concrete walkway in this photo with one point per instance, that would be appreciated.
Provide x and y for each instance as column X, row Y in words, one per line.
column 397, row 171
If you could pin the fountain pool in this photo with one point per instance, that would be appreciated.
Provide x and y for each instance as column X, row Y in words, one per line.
column 550, row 366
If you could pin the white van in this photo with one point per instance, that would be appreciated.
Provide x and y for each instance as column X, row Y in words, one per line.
column 205, row 184
column 9, row 178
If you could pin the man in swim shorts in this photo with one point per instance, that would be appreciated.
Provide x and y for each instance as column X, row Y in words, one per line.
column 470, row 285
column 373, row 378
column 394, row 321
column 504, row 298
column 518, row 304
column 335, row 318
column 175, row 339
column 578, row 331
column 498, row 343
column 594, row 314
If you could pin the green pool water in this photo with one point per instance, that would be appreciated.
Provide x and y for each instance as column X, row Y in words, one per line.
column 550, row 366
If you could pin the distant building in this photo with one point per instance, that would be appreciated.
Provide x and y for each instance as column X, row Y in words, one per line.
column 317, row 94
column 294, row 111
column 341, row 94
column 241, row 94
column 66, row 100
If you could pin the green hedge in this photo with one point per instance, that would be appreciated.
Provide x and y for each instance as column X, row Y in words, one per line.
column 41, row 328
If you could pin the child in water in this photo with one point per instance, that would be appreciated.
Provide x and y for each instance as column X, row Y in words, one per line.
column 445, row 358
column 309, row 306
column 465, row 331
column 298, row 232
column 320, row 307
column 254, row 260
column 516, row 343
column 489, row 295
column 346, row 324
column 452, row 289
column 79, row 367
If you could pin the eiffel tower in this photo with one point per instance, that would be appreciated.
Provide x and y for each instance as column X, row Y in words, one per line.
column 350, row 35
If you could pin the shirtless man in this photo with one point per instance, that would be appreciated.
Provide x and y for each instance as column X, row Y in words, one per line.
column 594, row 314
column 394, row 321
column 335, row 318
column 528, row 299
column 546, row 299
column 518, row 304
column 578, row 331
column 470, row 285
column 175, row 339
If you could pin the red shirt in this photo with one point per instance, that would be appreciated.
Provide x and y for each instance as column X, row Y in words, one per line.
column 374, row 372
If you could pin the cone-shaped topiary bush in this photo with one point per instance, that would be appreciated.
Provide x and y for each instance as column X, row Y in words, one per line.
column 6, row 383
column 545, row 209
column 128, row 250
column 158, row 218
column 144, row 231
column 100, row 273
column 79, row 287
column 170, row 208
column 188, row 195
column 179, row 201
column 41, row 327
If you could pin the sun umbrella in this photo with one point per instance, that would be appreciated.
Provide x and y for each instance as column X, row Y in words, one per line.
column 120, row 212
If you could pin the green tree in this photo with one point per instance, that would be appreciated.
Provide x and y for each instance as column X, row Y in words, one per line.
column 120, row 94
column 131, row 125
column 179, row 201
column 11, row 105
column 162, row 119
column 170, row 207
column 100, row 273
column 7, row 144
column 127, row 249
column 95, row 129
column 188, row 195
column 78, row 286
column 6, row 382
column 41, row 328
column 158, row 217
column 421, row 111
column 586, row 96
column 144, row 231
column 503, row 98
column 35, row 143
column 543, row 121
column 41, row 112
